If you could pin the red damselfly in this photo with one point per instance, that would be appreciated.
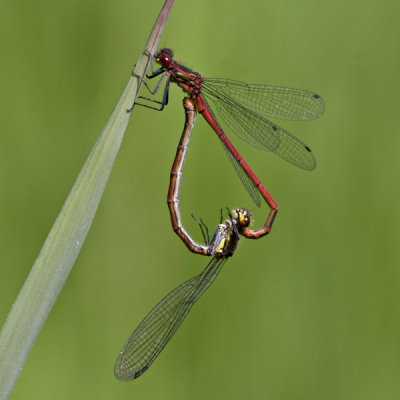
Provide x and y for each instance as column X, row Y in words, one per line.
column 242, row 106
column 157, row 328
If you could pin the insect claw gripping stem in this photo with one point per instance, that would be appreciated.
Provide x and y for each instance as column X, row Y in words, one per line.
column 164, row 100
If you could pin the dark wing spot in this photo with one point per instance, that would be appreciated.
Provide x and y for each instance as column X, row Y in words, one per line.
column 144, row 369
column 308, row 149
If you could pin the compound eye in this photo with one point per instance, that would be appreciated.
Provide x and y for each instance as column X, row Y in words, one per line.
column 164, row 60
column 244, row 220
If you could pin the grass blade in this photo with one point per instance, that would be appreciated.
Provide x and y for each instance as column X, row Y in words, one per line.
column 69, row 231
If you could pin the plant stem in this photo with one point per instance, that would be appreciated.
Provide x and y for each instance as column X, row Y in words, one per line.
column 69, row 231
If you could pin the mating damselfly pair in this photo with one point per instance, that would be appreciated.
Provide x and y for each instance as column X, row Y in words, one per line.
column 243, row 108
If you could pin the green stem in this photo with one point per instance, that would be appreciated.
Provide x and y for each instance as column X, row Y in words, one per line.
column 69, row 231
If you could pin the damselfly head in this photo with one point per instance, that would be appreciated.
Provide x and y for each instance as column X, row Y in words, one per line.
column 164, row 57
column 243, row 217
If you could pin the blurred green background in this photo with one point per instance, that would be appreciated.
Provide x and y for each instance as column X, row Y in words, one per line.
column 309, row 312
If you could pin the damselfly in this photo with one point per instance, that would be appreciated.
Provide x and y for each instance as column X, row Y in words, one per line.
column 242, row 106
